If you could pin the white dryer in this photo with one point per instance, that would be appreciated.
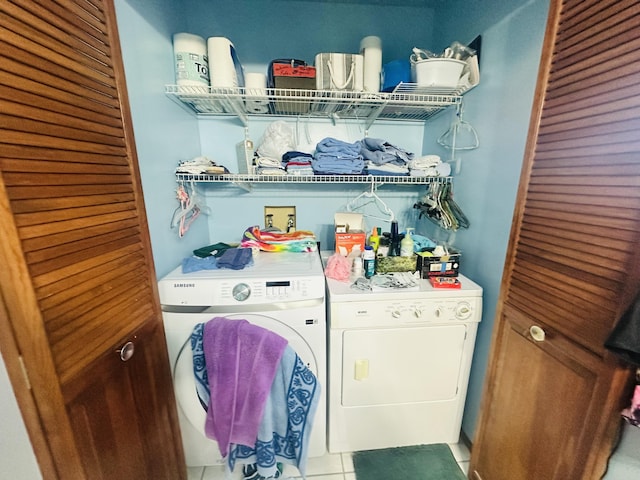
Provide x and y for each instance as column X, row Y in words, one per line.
column 399, row 364
column 282, row 292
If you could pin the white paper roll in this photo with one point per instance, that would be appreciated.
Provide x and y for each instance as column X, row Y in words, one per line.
column 190, row 55
column 257, row 100
column 371, row 50
column 223, row 64
column 255, row 83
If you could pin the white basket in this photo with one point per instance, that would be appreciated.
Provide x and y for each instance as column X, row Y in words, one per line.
column 437, row 72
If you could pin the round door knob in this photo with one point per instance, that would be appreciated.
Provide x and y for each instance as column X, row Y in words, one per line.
column 537, row 333
column 126, row 352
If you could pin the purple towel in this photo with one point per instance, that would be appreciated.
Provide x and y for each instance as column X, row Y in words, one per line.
column 242, row 360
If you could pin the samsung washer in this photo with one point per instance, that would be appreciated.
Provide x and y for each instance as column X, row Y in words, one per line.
column 282, row 292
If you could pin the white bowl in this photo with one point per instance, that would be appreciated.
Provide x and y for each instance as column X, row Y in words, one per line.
column 437, row 72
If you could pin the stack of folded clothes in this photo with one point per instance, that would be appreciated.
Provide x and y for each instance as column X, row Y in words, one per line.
column 297, row 163
column 382, row 158
column 335, row 157
column 429, row 166
column 298, row 241
column 269, row 166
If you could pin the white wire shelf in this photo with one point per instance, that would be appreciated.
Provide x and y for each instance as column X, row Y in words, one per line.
column 407, row 102
column 253, row 178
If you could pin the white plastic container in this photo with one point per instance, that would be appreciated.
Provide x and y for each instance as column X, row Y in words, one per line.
column 371, row 50
column 437, row 72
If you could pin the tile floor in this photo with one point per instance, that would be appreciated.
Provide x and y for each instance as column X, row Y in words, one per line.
column 337, row 466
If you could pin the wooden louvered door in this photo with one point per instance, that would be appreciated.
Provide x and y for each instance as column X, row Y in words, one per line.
column 77, row 280
column 553, row 393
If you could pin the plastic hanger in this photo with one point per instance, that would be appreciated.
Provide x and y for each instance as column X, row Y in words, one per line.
column 351, row 206
column 188, row 210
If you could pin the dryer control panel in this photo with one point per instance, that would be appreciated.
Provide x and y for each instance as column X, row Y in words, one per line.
column 406, row 312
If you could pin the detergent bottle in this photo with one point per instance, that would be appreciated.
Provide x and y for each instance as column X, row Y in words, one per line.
column 369, row 261
column 406, row 244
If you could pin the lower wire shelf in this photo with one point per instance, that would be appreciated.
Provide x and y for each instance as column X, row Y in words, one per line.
column 331, row 179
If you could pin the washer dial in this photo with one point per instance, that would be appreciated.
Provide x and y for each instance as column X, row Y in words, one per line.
column 241, row 292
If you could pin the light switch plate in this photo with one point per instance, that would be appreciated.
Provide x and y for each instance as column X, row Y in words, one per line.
column 281, row 217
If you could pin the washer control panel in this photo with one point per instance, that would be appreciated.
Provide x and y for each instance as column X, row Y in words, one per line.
column 234, row 291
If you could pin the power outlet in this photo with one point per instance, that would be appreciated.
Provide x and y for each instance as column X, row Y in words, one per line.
column 282, row 218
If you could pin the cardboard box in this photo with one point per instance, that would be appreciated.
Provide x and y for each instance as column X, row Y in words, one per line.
column 444, row 266
column 350, row 235
column 293, row 76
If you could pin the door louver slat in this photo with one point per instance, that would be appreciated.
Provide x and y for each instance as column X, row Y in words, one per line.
column 586, row 171
column 68, row 175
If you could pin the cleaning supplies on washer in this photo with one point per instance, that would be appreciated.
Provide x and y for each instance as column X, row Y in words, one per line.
column 369, row 261
column 356, row 270
column 383, row 247
column 394, row 245
column 374, row 240
column 406, row 245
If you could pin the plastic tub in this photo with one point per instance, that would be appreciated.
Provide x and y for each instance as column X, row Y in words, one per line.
column 437, row 72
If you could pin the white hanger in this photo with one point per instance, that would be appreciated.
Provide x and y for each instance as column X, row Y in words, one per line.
column 381, row 205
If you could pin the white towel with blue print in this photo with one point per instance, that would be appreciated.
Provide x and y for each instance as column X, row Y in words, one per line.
column 285, row 428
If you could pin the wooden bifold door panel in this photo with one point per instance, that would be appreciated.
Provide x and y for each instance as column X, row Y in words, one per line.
column 553, row 393
column 77, row 273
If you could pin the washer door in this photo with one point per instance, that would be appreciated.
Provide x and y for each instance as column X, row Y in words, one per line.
column 184, row 378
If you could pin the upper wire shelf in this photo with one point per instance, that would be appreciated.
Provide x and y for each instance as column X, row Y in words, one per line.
column 407, row 102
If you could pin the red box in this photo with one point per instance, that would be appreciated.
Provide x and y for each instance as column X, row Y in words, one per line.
column 288, row 70
column 347, row 242
column 293, row 75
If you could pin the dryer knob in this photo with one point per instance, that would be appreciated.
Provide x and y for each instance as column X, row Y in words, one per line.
column 241, row 292
column 463, row 311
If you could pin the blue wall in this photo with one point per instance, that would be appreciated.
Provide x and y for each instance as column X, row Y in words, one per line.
column 261, row 30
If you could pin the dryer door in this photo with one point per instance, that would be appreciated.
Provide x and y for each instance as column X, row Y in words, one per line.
column 184, row 377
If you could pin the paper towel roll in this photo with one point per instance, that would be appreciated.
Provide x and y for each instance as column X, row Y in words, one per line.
column 257, row 100
column 190, row 55
column 225, row 68
column 371, row 50
column 256, row 84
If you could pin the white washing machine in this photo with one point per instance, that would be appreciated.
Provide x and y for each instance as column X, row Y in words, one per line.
column 282, row 292
column 399, row 364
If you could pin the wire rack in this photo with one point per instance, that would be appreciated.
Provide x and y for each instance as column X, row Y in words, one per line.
column 253, row 178
column 407, row 102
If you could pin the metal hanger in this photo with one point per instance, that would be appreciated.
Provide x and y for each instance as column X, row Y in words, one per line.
column 371, row 193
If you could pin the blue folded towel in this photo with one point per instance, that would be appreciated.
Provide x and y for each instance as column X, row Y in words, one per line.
column 193, row 264
column 379, row 152
column 235, row 258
